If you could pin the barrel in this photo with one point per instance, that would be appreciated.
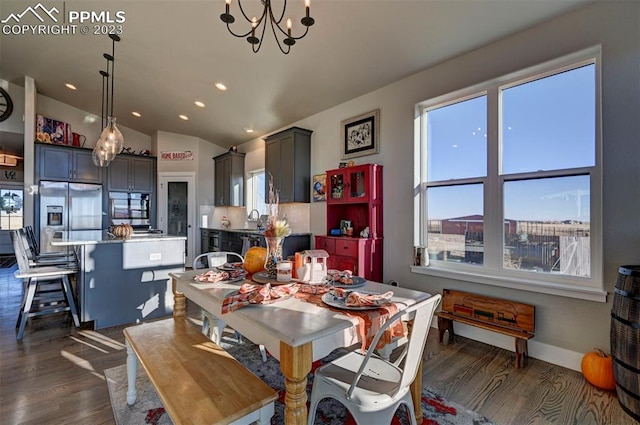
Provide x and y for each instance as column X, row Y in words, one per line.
column 625, row 339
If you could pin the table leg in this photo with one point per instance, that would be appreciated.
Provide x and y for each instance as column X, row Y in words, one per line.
column 295, row 363
column 179, row 300
column 132, row 368
column 416, row 386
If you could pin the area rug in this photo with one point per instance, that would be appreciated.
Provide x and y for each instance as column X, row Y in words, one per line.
column 148, row 407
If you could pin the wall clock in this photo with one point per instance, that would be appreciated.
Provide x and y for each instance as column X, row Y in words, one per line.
column 6, row 105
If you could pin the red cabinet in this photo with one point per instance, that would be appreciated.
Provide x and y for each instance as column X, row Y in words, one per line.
column 363, row 256
column 354, row 194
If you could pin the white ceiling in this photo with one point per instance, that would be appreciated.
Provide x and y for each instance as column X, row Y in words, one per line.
column 172, row 53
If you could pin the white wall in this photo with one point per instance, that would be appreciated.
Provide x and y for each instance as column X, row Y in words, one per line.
column 565, row 327
column 88, row 124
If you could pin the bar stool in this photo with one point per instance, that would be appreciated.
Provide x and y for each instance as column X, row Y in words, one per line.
column 47, row 288
column 35, row 257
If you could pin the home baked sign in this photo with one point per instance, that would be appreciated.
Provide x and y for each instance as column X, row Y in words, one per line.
column 176, row 156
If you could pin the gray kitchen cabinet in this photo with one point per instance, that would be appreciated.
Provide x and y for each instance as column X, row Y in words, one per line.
column 64, row 163
column 288, row 160
column 229, row 179
column 131, row 173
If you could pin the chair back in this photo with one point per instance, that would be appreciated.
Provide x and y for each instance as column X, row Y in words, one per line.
column 215, row 259
column 33, row 241
column 423, row 312
column 18, row 248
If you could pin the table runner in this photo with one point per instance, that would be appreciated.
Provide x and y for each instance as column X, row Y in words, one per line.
column 369, row 321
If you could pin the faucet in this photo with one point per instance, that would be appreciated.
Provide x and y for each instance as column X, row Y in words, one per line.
column 255, row 218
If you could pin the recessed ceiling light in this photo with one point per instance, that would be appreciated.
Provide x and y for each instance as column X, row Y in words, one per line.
column 136, row 114
column 70, row 86
column 184, row 117
column 248, row 130
column 221, row 87
column 200, row 104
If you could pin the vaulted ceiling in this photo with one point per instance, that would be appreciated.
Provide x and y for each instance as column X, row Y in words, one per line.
column 173, row 52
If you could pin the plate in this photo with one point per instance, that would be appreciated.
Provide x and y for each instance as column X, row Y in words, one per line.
column 237, row 279
column 263, row 277
column 357, row 282
column 336, row 302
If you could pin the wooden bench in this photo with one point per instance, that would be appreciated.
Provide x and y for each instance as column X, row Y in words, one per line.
column 198, row 381
column 506, row 317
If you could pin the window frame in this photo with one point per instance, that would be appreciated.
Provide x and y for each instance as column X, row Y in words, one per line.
column 491, row 272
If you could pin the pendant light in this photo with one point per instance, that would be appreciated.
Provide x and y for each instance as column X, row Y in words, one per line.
column 111, row 142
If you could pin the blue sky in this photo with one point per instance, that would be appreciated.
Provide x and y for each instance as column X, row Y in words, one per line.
column 548, row 124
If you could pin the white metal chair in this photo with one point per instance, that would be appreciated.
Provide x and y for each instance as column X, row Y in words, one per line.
column 47, row 289
column 211, row 325
column 215, row 259
column 370, row 387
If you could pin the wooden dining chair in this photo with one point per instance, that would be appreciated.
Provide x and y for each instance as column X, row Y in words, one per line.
column 47, row 289
column 370, row 387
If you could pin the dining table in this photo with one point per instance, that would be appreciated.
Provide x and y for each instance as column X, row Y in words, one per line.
column 296, row 332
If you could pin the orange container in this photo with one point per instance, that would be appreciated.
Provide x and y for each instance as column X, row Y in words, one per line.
column 297, row 263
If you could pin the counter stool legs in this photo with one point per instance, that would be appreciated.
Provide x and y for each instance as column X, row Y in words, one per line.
column 52, row 306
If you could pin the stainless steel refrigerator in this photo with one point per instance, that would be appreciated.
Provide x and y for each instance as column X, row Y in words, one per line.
column 67, row 207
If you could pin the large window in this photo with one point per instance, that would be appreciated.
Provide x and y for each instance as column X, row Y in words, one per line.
column 510, row 180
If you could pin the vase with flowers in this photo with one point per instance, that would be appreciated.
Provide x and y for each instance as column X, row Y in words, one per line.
column 275, row 231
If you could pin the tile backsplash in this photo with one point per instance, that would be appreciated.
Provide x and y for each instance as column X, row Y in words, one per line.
column 297, row 214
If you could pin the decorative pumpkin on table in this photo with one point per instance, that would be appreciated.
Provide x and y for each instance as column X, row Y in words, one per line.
column 597, row 368
column 123, row 230
column 254, row 259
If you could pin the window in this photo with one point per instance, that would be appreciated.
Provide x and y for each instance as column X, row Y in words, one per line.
column 255, row 192
column 510, row 180
column 11, row 211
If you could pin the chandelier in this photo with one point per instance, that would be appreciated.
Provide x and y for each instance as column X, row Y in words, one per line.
column 110, row 142
column 258, row 26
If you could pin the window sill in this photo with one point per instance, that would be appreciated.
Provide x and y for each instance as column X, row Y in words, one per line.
column 541, row 287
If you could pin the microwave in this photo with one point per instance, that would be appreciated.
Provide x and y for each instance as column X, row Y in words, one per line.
column 130, row 208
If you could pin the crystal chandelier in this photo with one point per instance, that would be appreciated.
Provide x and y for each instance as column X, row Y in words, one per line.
column 258, row 26
column 110, row 142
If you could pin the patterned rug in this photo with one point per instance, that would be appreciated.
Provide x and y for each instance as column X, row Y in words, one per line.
column 148, row 408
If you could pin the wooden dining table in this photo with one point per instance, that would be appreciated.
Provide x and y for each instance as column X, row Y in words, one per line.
column 294, row 331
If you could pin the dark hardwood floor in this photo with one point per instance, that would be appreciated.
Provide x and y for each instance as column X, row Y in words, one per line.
column 55, row 376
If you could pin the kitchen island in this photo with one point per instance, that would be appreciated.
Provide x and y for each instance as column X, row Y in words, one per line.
column 120, row 280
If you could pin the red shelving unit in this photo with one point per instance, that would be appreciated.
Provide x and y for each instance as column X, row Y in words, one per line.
column 355, row 194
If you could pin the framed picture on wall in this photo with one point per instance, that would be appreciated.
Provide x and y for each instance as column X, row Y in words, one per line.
column 319, row 188
column 360, row 136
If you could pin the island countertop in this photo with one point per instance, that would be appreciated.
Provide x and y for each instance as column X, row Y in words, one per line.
column 95, row 237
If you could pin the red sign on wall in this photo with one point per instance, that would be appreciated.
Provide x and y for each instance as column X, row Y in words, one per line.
column 176, row 156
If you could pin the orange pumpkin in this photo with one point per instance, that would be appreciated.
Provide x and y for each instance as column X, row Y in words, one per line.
column 597, row 368
column 254, row 259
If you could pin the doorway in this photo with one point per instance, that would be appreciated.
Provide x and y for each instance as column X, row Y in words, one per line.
column 177, row 208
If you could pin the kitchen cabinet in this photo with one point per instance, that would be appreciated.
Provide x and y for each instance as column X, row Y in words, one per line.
column 354, row 194
column 130, row 173
column 288, row 160
column 229, row 179
column 64, row 163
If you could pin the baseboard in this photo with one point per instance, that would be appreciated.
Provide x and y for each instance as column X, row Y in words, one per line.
column 537, row 350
